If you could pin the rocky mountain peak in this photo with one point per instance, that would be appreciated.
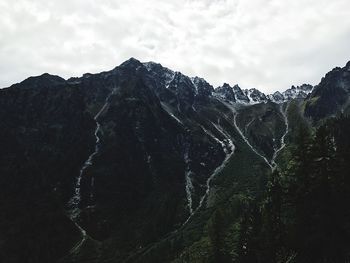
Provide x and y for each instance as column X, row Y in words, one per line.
column 240, row 95
column 225, row 92
column 276, row 97
column 44, row 80
column 331, row 95
column 162, row 74
column 202, row 87
column 255, row 96
column 131, row 62
column 233, row 94
column 297, row 92
column 131, row 65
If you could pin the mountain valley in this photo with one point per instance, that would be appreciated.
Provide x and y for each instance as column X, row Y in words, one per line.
column 144, row 164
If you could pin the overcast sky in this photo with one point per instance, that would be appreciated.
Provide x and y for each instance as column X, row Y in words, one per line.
column 266, row 44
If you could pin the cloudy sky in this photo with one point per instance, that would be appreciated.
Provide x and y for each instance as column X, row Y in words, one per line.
column 267, row 44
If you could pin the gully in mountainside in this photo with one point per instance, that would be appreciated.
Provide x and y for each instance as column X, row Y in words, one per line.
column 207, row 191
column 282, row 141
column 73, row 203
column 272, row 164
column 234, row 112
column 229, row 151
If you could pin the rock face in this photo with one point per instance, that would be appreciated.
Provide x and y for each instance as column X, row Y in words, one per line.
column 240, row 95
column 262, row 124
column 331, row 96
column 157, row 150
column 144, row 120
column 253, row 96
column 203, row 88
column 162, row 138
column 45, row 136
column 225, row 92
column 299, row 92
column 277, row 97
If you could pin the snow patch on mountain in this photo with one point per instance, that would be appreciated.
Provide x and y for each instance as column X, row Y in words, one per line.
column 253, row 96
column 233, row 94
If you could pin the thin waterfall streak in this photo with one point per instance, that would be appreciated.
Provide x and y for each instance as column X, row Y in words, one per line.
column 242, row 135
column 282, row 142
column 217, row 169
column 73, row 203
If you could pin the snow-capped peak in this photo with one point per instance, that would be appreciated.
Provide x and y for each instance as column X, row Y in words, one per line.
column 253, row 96
column 298, row 92
column 164, row 75
column 233, row 94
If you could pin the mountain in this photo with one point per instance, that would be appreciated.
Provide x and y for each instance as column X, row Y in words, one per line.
column 299, row 92
column 227, row 93
column 145, row 164
column 331, row 96
column 96, row 146
column 253, row 96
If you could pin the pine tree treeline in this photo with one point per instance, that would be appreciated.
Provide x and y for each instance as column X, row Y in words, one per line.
column 306, row 214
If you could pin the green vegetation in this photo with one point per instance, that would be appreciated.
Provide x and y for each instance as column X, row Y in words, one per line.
column 263, row 125
column 305, row 211
column 219, row 230
column 299, row 213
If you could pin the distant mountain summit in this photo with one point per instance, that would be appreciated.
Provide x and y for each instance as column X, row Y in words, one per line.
column 232, row 94
column 253, row 96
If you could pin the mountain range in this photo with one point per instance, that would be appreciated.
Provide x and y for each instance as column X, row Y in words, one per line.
column 139, row 163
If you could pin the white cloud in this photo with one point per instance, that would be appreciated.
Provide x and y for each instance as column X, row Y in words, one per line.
column 268, row 44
